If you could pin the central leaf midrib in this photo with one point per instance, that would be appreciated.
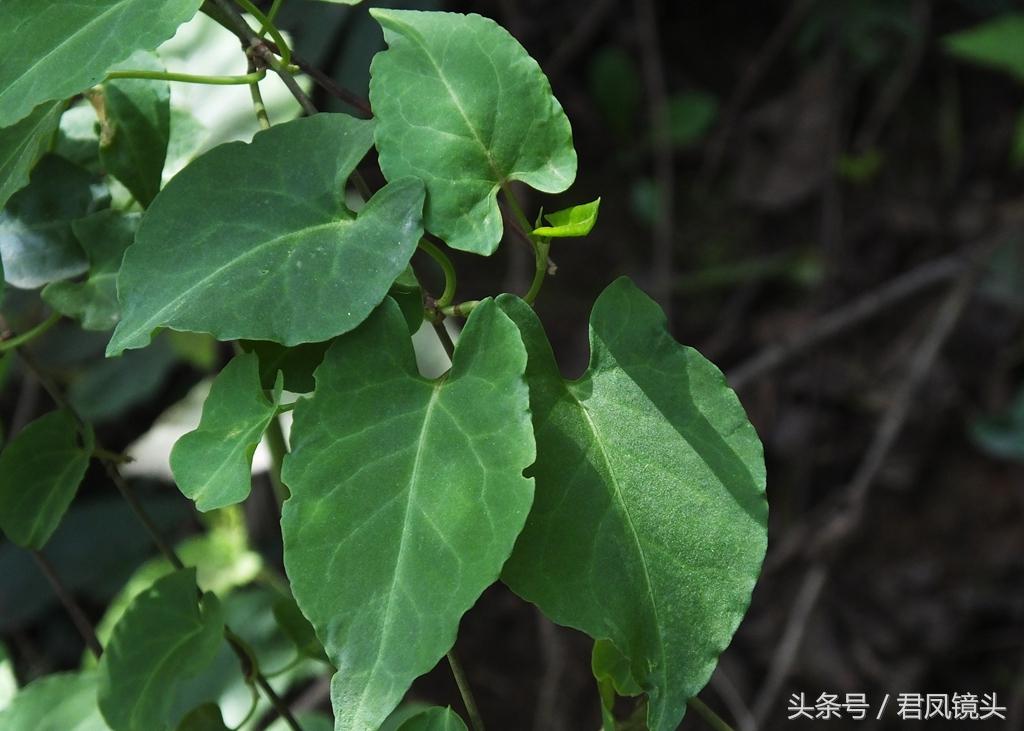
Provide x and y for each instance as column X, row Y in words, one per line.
column 619, row 500
column 498, row 175
column 403, row 538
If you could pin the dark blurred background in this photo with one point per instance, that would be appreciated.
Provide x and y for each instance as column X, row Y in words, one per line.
column 827, row 197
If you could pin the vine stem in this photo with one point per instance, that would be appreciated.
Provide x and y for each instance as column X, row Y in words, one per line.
column 78, row 618
column 251, row 669
column 255, row 45
column 462, row 309
column 262, row 118
column 30, row 335
column 712, row 719
column 450, row 281
column 475, row 721
column 278, row 449
column 249, row 78
column 541, row 245
column 266, row 24
column 249, row 664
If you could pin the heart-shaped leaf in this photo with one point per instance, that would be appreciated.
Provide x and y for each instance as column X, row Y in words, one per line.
column 56, row 50
column 406, row 498
column 462, row 106
column 253, row 241
column 40, row 471
column 213, row 464
column 649, row 524
column 166, row 635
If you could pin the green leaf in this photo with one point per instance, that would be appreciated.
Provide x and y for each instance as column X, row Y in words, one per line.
column 649, row 524
column 104, row 236
column 575, row 221
column 165, row 636
column 56, row 50
column 406, row 498
column 206, row 717
column 298, row 629
column 135, row 117
column 996, row 43
column 253, row 241
column 434, row 719
column 40, row 470
column 295, row 364
column 37, row 245
column 213, row 464
column 60, row 702
column 8, row 681
column 462, row 106
column 22, row 144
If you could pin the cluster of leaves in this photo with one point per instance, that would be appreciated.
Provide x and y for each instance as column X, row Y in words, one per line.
column 628, row 504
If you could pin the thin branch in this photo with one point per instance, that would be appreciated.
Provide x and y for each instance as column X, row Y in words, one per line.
column 30, row 335
column 850, row 512
column 847, row 317
column 445, row 338
column 74, row 611
column 262, row 50
column 792, row 638
column 475, row 721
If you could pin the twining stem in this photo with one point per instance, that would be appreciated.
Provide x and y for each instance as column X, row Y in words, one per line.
column 266, row 24
column 712, row 719
column 445, row 263
column 251, row 670
column 271, row 16
column 278, row 449
column 30, row 335
column 257, row 100
column 249, row 78
column 475, row 721
column 226, row 14
column 541, row 245
column 462, row 309
column 74, row 611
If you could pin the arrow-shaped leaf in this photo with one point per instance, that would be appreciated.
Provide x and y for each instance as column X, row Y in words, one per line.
column 213, row 464
column 407, row 496
column 462, row 106
column 649, row 525
column 253, row 241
